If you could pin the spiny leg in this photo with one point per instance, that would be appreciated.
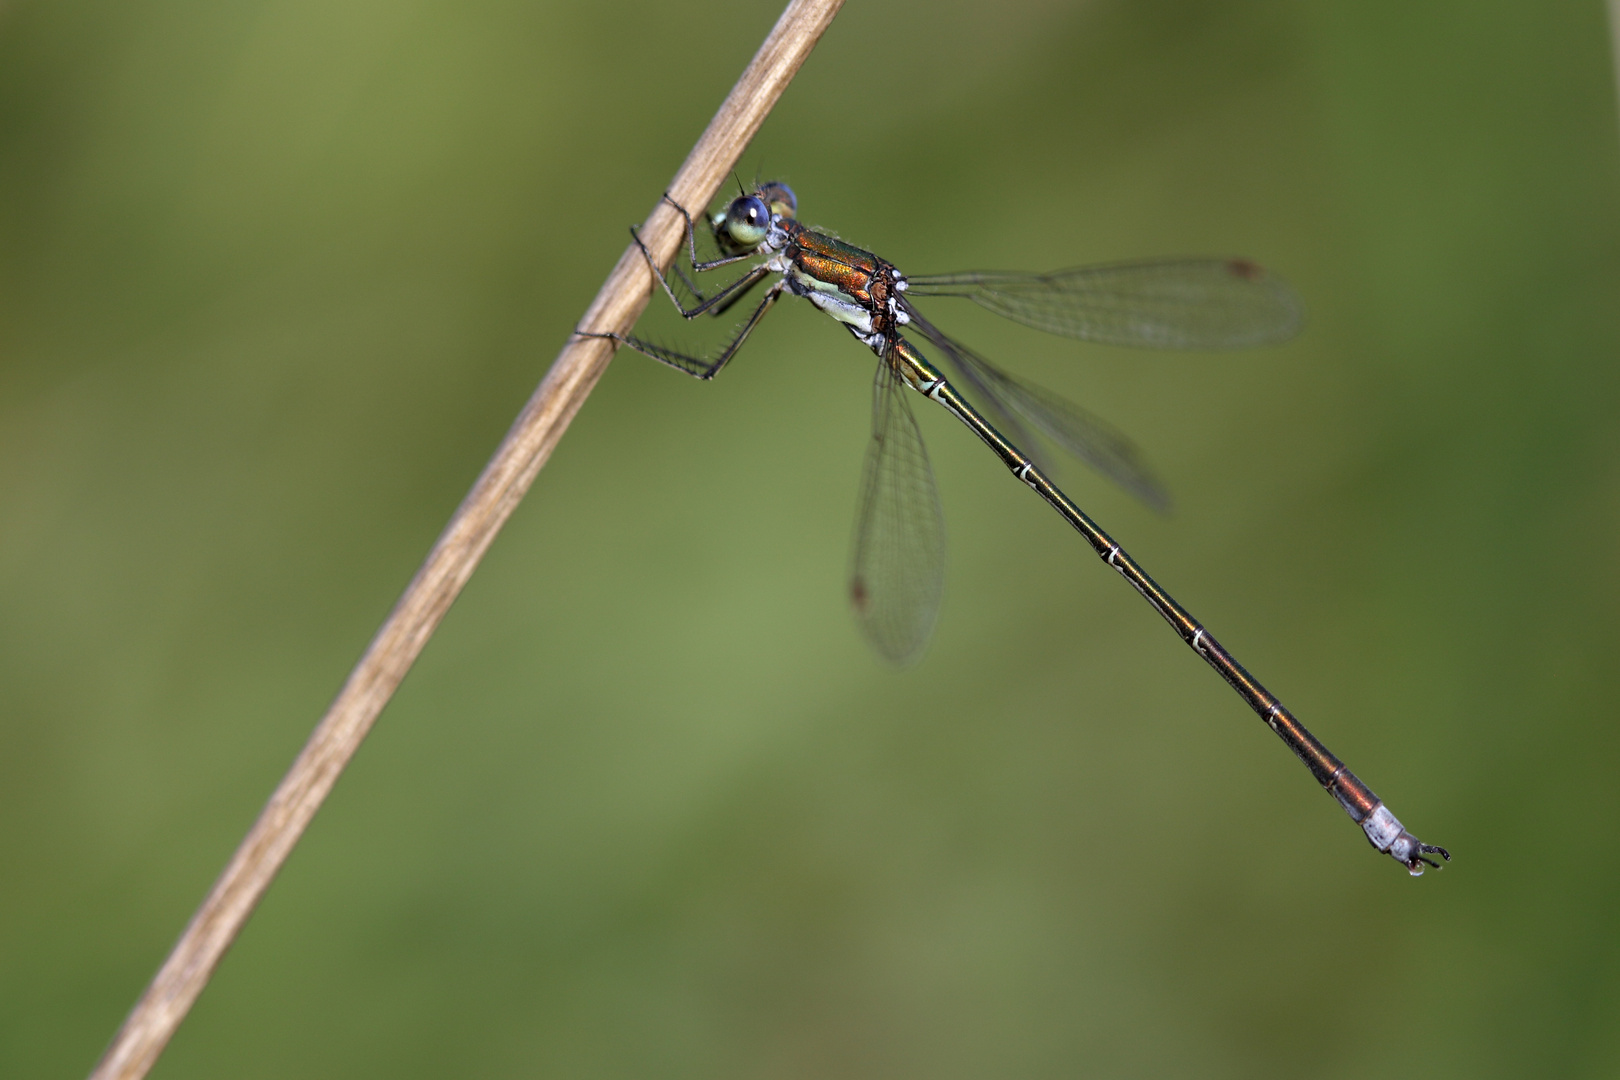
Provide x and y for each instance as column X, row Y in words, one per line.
column 696, row 366
column 692, row 288
column 724, row 306
column 746, row 282
column 738, row 292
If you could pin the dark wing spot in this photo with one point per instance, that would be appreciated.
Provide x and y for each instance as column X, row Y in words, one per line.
column 1243, row 268
column 859, row 595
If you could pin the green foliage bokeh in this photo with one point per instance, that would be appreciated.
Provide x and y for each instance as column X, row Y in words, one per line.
column 274, row 279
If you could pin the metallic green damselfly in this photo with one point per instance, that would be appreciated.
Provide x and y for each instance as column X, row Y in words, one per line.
column 897, row 575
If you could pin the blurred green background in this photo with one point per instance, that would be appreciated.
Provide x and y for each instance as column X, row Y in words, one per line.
column 275, row 278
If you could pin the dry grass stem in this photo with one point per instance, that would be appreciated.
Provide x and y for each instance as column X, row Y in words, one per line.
column 451, row 562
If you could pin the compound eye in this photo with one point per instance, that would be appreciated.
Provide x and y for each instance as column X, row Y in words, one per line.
column 747, row 221
column 781, row 198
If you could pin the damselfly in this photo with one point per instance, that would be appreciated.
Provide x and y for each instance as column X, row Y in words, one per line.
column 898, row 562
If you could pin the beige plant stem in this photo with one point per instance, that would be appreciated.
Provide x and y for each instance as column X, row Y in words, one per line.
column 451, row 562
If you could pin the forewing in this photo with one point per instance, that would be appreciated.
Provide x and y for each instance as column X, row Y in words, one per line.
column 1087, row 437
column 897, row 572
column 1166, row 304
